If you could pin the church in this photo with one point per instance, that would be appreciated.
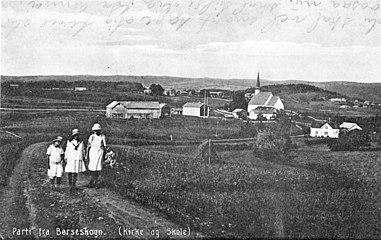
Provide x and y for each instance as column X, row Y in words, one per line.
column 263, row 104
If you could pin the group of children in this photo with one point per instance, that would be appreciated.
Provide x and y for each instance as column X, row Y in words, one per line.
column 75, row 156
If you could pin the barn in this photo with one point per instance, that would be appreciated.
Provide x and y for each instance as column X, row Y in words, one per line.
column 134, row 109
column 196, row 109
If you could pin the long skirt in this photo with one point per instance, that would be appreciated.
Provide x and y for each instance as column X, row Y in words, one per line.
column 95, row 159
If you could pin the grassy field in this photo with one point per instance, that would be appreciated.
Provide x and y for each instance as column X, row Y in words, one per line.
column 321, row 195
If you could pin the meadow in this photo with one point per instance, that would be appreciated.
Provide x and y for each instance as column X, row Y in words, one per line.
column 307, row 196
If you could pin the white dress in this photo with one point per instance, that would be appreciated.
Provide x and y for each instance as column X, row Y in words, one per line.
column 74, row 156
column 56, row 168
column 97, row 144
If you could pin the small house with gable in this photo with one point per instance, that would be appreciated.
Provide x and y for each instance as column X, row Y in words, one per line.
column 196, row 109
column 325, row 129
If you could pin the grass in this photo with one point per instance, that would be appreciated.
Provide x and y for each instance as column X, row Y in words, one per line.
column 244, row 196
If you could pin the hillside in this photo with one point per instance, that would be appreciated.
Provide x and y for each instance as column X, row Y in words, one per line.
column 365, row 91
column 369, row 91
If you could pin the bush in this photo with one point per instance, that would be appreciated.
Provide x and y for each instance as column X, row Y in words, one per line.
column 349, row 141
column 271, row 146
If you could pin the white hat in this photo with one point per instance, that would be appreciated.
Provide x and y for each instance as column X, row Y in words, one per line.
column 96, row 126
column 58, row 139
column 74, row 132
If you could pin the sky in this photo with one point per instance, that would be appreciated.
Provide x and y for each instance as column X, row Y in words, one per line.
column 281, row 39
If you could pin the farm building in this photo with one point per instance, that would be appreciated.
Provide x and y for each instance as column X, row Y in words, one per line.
column 216, row 94
column 265, row 100
column 338, row 100
column 177, row 111
column 330, row 130
column 135, row 109
column 169, row 92
column 350, row 126
column 196, row 109
column 80, row 89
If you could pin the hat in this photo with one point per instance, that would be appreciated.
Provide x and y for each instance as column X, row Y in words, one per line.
column 96, row 126
column 75, row 132
column 58, row 139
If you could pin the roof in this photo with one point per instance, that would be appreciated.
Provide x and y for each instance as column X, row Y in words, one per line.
column 113, row 104
column 350, row 126
column 273, row 101
column 238, row 110
column 333, row 125
column 194, row 104
column 260, row 98
column 136, row 104
column 265, row 110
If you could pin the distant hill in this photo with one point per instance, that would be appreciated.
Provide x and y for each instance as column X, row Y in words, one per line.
column 365, row 91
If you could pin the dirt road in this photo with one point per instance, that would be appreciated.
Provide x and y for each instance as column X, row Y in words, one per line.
column 44, row 211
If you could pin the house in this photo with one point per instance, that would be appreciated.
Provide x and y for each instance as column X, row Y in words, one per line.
column 147, row 91
column 239, row 113
column 196, row 109
column 165, row 110
column 169, row 92
column 133, row 109
column 326, row 129
column 338, row 100
column 268, row 113
column 216, row 94
column 344, row 106
column 263, row 100
column 80, row 89
column 177, row 111
column 350, row 126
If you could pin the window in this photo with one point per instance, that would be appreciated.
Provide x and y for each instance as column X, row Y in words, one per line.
column 317, row 132
column 325, row 133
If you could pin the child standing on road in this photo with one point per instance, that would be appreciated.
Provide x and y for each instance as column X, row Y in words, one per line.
column 74, row 156
column 95, row 154
column 55, row 156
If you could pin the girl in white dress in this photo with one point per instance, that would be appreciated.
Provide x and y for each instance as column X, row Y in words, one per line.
column 55, row 156
column 74, row 155
column 95, row 153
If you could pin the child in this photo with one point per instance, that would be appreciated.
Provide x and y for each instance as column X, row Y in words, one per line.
column 95, row 155
column 55, row 155
column 74, row 156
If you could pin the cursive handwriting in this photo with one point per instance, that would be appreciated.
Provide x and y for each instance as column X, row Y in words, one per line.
column 109, row 17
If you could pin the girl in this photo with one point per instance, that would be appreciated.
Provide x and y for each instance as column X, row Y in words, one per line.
column 95, row 153
column 55, row 156
column 74, row 158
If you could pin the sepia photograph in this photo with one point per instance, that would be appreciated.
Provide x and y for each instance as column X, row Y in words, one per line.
column 190, row 119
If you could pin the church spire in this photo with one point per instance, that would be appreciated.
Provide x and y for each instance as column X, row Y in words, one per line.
column 258, row 86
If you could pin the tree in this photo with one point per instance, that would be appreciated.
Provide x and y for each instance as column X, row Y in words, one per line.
column 239, row 101
column 156, row 89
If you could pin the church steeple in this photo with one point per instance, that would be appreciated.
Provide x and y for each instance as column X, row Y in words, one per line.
column 258, row 86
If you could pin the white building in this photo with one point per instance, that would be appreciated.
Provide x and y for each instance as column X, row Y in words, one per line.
column 80, row 89
column 330, row 130
column 196, row 109
column 350, row 126
column 263, row 100
column 134, row 109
